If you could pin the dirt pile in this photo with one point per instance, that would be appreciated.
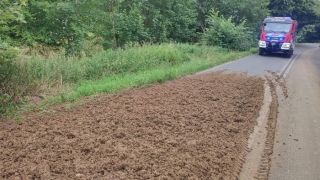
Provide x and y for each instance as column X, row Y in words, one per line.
column 190, row 128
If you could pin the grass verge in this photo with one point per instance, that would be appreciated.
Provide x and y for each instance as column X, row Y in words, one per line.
column 62, row 80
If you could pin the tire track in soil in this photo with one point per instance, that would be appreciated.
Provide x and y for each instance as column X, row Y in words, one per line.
column 195, row 127
column 265, row 164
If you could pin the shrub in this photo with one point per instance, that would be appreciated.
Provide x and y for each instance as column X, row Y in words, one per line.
column 9, row 14
column 222, row 32
column 7, row 54
column 309, row 34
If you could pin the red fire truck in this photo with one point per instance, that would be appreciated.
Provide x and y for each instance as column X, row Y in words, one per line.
column 278, row 34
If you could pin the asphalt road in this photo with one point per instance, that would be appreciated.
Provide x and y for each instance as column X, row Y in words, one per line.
column 260, row 65
column 296, row 153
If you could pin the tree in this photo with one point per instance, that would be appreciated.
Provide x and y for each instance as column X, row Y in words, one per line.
column 166, row 20
column 281, row 7
column 310, row 34
column 306, row 12
column 53, row 23
column 252, row 11
column 10, row 13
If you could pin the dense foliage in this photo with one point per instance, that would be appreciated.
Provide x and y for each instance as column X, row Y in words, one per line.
column 222, row 32
column 115, row 23
column 10, row 15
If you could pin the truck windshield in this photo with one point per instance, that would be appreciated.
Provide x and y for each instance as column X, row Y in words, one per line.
column 277, row 27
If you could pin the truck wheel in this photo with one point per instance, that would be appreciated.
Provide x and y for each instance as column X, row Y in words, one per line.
column 289, row 54
column 261, row 52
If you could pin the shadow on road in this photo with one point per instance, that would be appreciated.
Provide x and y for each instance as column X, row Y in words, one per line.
column 280, row 55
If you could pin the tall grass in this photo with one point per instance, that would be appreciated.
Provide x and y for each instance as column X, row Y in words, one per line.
column 60, row 69
column 110, row 71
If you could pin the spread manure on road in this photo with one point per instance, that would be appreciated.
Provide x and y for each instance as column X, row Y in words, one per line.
column 195, row 127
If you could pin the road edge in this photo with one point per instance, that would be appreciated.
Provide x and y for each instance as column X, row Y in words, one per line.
column 261, row 169
column 257, row 141
column 286, row 68
column 265, row 165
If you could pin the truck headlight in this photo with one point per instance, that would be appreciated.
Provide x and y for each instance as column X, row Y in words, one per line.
column 285, row 46
column 262, row 44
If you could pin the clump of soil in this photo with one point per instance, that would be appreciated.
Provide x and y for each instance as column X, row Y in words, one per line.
column 284, row 89
column 190, row 128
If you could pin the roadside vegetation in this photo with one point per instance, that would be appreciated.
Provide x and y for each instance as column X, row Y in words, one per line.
column 62, row 50
column 57, row 78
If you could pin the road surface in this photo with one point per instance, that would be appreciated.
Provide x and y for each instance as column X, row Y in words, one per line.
column 296, row 153
column 297, row 143
column 261, row 65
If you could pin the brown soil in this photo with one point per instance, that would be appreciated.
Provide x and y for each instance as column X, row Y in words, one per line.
column 194, row 127
column 284, row 88
column 265, row 165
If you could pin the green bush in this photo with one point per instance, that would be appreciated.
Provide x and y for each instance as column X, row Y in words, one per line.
column 222, row 32
column 7, row 53
column 310, row 34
